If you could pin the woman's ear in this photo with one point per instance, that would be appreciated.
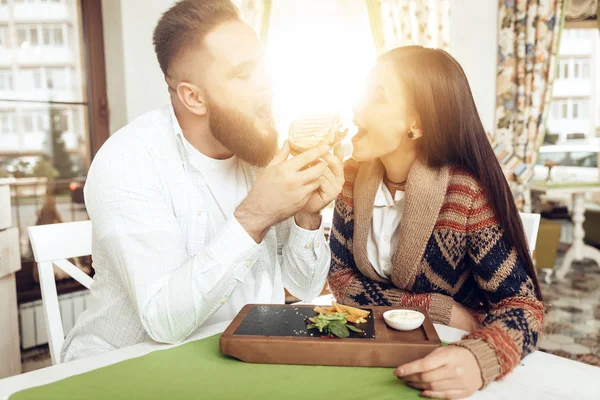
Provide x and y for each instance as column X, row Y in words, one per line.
column 415, row 131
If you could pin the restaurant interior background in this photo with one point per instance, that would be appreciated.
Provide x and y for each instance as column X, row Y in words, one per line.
column 72, row 72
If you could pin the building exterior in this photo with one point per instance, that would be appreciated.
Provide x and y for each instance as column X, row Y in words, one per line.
column 42, row 85
column 575, row 109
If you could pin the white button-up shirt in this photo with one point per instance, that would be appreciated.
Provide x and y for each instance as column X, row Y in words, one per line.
column 385, row 229
column 160, row 271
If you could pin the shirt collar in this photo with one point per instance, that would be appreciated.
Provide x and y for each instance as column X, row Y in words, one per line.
column 174, row 123
column 383, row 197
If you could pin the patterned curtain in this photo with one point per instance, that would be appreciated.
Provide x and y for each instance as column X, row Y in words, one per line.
column 257, row 13
column 409, row 22
column 527, row 47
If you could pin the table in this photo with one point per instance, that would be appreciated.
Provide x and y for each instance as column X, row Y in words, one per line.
column 577, row 191
column 540, row 376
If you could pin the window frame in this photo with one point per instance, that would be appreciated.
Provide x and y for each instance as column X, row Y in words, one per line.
column 91, row 12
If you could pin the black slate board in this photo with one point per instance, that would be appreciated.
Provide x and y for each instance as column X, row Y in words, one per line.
column 286, row 321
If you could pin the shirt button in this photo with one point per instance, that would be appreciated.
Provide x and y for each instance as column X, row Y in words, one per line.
column 308, row 246
column 386, row 238
column 199, row 213
column 249, row 263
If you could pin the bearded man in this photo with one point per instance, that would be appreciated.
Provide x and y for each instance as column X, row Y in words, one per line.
column 195, row 211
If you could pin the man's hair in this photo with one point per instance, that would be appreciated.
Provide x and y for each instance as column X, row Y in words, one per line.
column 187, row 23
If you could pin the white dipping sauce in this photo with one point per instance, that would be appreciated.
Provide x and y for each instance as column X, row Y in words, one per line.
column 405, row 316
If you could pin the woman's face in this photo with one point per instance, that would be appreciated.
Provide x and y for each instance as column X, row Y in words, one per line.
column 384, row 116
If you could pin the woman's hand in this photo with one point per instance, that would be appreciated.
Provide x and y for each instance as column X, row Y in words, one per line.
column 462, row 318
column 331, row 183
column 449, row 372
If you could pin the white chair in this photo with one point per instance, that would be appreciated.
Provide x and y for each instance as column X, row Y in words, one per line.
column 531, row 225
column 52, row 245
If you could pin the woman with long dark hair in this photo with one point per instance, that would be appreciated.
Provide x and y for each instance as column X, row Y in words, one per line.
column 426, row 218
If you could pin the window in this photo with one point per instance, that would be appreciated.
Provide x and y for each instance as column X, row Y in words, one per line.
column 30, row 79
column 3, row 37
column 27, row 36
column 585, row 74
column 27, row 123
column 46, row 34
column 39, row 120
column 33, row 35
column 565, row 69
column 6, row 80
column 585, row 159
column 7, row 122
column 42, row 123
column 581, row 68
column 58, row 37
column 54, row 35
column 576, row 136
column 585, row 108
column 37, row 79
column 557, row 157
column 554, row 110
column 565, row 110
column 21, row 36
column 60, row 120
column 57, row 78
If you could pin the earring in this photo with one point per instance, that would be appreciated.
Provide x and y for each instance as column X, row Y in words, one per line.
column 411, row 135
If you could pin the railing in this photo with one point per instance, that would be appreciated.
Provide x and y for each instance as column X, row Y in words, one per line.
column 36, row 200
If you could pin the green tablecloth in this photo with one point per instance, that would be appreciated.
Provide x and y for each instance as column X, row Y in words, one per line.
column 197, row 370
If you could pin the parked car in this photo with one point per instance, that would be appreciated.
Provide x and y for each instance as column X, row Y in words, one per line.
column 573, row 162
column 76, row 189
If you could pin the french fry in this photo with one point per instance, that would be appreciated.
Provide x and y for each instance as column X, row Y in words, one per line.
column 338, row 308
column 325, row 310
column 355, row 319
column 352, row 318
column 352, row 310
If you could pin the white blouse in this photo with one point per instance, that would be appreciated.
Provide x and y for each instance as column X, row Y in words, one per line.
column 385, row 228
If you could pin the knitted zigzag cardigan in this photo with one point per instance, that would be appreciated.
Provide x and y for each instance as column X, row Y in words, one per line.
column 451, row 248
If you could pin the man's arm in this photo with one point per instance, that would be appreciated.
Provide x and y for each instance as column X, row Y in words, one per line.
column 134, row 220
column 304, row 256
column 172, row 292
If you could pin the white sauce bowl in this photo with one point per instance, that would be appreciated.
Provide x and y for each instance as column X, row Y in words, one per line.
column 403, row 320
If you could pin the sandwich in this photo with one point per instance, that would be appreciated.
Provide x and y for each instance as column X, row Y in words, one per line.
column 313, row 130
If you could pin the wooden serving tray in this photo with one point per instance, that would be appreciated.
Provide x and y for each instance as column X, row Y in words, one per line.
column 277, row 334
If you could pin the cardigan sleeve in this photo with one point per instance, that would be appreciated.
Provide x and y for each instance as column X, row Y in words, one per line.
column 349, row 286
column 515, row 318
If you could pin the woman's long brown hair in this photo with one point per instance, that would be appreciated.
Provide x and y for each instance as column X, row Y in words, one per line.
column 453, row 133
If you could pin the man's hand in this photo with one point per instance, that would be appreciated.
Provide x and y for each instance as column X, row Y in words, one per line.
column 281, row 190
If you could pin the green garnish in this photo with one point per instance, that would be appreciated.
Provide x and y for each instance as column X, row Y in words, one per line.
column 334, row 324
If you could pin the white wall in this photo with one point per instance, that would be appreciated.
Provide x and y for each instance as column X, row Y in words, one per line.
column 136, row 85
column 474, row 42
column 135, row 82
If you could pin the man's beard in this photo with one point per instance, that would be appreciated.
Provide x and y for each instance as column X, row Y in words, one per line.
column 238, row 133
